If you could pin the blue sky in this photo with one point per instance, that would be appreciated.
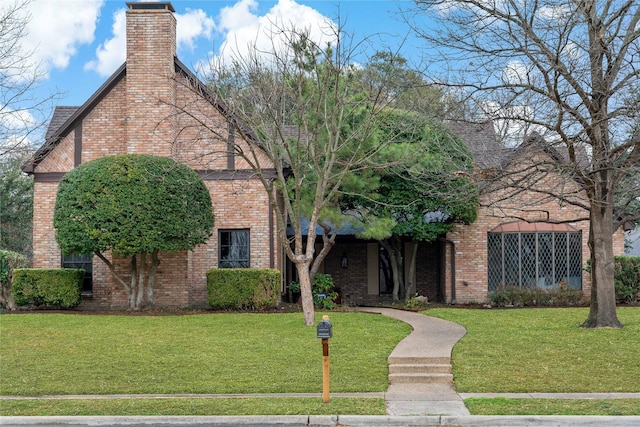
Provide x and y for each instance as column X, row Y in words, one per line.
column 80, row 42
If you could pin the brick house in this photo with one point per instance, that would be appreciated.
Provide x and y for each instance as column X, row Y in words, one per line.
column 522, row 237
column 154, row 105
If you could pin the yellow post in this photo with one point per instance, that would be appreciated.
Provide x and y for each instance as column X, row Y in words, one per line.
column 325, row 370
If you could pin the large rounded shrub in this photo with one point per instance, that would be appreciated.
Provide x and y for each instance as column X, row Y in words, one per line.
column 133, row 205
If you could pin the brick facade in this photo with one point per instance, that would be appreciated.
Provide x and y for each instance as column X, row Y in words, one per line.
column 153, row 105
column 146, row 107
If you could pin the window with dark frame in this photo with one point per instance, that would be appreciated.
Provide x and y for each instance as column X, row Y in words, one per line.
column 535, row 260
column 84, row 262
column 234, row 249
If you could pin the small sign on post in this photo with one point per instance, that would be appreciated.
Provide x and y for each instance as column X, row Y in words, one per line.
column 325, row 331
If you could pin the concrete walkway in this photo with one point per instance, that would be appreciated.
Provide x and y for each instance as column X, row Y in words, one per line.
column 428, row 346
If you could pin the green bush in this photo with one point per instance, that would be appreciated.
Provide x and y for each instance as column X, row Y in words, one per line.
column 9, row 261
column 243, row 288
column 48, row 288
column 516, row 296
column 322, row 289
column 627, row 279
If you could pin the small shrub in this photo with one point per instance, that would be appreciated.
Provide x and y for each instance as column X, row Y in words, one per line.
column 243, row 288
column 322, row 289
column 516, row 296
column 48, row 288
column 417, row 301
column 627, row 279
column 9, row 261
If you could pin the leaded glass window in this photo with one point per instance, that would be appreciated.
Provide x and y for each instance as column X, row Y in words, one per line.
column 537, row 259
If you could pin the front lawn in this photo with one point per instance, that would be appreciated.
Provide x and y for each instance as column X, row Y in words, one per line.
column 505, row 406
column 543, row 350
column 61, row 354
column 193, row 406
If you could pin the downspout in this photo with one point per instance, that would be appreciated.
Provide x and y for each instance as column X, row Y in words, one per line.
column 453, row 267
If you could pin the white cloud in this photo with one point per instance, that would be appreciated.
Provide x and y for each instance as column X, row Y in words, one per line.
column 57, row 29
column 112, row 53
column 191, row 26
column 243, row 29
column 517, row 73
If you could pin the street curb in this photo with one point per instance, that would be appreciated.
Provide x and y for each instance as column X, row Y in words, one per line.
column 327, row 421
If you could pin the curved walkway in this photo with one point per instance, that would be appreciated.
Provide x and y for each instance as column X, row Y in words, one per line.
column 430, row 342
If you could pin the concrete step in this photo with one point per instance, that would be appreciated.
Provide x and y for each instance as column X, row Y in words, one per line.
column 420, row 368
column 424, row 378
column 401, row 360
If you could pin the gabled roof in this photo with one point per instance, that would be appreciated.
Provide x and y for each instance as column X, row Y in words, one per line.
column 60, row 115
column 57, row 130
column 65, row 119
column 481, row 140
column 558, row 152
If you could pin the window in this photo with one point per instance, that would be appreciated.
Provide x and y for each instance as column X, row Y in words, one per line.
column 539, row 258
column 234, row 249
column 84, row 262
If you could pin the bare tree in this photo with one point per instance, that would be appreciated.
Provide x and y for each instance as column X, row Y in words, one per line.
column 22, row 112
column 312, row 127
column 566, row 69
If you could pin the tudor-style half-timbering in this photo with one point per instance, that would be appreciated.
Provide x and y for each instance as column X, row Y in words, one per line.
column 154, row 105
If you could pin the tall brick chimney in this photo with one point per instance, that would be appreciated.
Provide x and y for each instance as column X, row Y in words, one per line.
column 151, row 89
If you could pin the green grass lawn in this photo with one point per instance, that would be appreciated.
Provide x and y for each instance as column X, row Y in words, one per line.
column 516, row 350
column 504, row 406
column 544, row 350
column 194, row 406
column 62, row 354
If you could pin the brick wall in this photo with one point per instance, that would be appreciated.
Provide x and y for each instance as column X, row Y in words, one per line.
column 149, row 111
column 46, row 253
column 503, row 205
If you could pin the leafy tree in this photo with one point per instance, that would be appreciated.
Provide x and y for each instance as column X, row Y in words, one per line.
column 565, row 69
column 420, row 198
column 16, row 204
column 313, row 125
column 407, row 90
column 135, row 206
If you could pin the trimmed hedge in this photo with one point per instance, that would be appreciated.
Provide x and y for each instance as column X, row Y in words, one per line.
column 50, row 288
column 9, row 261
column 243, row 288
column 627, row 279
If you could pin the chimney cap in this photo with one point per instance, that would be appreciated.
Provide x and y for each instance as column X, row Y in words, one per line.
column 143, row 5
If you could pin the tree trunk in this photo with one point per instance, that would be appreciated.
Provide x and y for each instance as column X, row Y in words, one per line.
column 142, row 278
column 393, row 248
column 7, row 296
column 131, row 290
column 155, row 262
column 602, row 313
column 410, row 282
column 306, row 295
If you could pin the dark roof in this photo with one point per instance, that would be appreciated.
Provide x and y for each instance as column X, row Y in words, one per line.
column 481, row 140
column 557, row 151
column 60, row 115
